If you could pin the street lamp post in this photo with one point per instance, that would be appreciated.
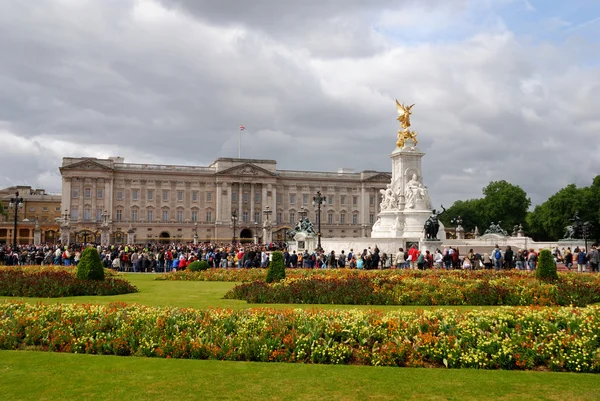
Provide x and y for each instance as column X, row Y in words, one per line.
column 16, row 203
column 318, row 200
column 587, row 230
column 234, row 218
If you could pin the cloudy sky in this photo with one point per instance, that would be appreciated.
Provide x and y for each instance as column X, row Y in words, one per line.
column 504, row 89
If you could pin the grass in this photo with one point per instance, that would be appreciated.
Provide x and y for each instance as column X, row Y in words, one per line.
column 200, row 295
column 91, row 377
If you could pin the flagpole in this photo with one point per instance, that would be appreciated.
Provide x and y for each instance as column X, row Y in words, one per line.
column 240, row 143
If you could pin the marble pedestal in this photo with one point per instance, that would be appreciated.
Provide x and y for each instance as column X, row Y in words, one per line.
column 430, row 245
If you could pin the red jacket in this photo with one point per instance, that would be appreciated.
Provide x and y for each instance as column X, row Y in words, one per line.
column 414, row 254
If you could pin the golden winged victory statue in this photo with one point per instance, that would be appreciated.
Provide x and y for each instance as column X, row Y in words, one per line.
column 404, row 113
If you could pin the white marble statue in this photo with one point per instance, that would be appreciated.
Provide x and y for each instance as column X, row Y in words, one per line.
column 415, row 193
column 387, row 198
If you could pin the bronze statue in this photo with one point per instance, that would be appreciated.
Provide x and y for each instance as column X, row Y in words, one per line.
column 432, row 225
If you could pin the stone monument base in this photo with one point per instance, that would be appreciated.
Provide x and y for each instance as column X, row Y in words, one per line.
column 430, row 245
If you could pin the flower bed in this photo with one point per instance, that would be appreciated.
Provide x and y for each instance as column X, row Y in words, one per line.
column 425, row 288
column 563, row 339
column 56, row 282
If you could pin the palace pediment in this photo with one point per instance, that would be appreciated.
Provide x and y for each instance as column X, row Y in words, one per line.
column 88, row 164
column 380, row 177
column 247, row 169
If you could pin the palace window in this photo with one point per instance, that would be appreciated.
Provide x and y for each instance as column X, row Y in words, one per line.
column 150, row 213
column 257, row 217
column 245, row 217
column 74, row 213
column 87, row 214
column 119, row 215
column 305, row 199
column 234, row 196
column 135, row 194
column 88, row 193
column 195, row 196
column 165, row 216
column 179, row 216
column 245, row 197
column 354, row 200
column 292, row 199
column 342, row 199
column 120, row 195
column 279, row 218
column 330, row 199
column 372, row 200
column 279, row 199
column 292, row 218
column 209, row 216
column 194, row 216
column 342, row 218
column 76, row 192
column 371, row 218
column 329, row 218
column 98, row 214
column 179, row 196
column 165, row 195
column 134, row 215
column 44, row 209
column 100, row 193
column 257, row 197
column 150, row 195
column 354, row 219
column 209, row 196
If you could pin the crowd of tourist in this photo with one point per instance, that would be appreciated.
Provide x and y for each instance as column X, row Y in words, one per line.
column 177, row 256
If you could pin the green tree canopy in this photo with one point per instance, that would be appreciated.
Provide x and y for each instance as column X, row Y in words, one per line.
column 502, row 201
column 548, row 220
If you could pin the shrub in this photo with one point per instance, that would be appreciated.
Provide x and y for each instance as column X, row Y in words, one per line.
column 546, row 268
column 90, row 266
column 198, row 265
column 276, row 268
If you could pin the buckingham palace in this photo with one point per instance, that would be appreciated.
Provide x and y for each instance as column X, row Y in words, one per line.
column 152, row 202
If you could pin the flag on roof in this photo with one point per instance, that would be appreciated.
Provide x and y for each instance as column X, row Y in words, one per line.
column 242, row 128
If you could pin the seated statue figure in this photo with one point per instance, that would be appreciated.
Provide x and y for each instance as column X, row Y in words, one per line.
column 415, row 192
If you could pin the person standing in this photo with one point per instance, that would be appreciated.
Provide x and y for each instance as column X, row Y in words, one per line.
column 508, row 257
column 497, row 258
column 594, row 259
column 581, row 260
column 400, row 263
column 413, row 255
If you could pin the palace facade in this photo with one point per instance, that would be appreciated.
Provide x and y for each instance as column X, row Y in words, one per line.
column 174, row 203
column 38, row 207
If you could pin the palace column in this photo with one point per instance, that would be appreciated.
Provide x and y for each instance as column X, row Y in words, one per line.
column 363, row 210
column 108, row 197
column 251, row 202
column 66, row 195
column 219, row 205
column 240, row 197
column 94, row 195
column 274, row 203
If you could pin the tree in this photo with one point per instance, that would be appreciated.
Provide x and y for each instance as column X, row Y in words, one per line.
column 548, row 220
column 504, row 202
column 469, row 211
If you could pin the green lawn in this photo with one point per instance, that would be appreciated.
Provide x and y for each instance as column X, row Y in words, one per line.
column 39, row 375
column 200, row 294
